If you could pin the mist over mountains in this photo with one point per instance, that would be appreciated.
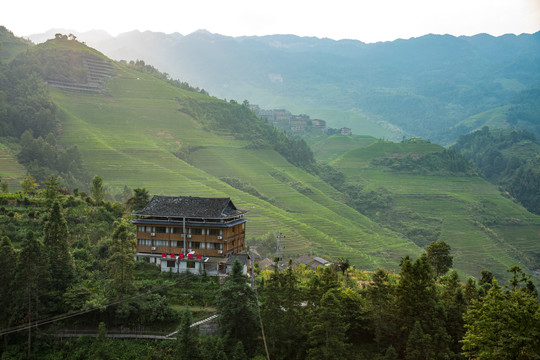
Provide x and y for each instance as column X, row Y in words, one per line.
column 424, row 86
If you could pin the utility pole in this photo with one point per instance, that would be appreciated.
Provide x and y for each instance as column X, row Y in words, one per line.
column 252, row 270
column 279, row 236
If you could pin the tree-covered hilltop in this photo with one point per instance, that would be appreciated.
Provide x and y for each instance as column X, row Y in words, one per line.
column 69, row 267
column 509, row 158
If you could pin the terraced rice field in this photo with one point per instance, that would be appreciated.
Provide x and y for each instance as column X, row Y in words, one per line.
column 128, row 138
column 10, row 170
column 468, row 207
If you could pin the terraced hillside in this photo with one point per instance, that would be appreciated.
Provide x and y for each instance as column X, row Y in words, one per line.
column 485, row 229
column 146, row 131
column 129, row 135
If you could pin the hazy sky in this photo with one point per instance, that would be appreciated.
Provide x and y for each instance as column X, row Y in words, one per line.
column 365, row 20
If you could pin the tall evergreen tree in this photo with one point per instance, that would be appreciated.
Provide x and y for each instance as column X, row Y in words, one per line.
column 8, row 263
column 381, row 307
column 417, row 300
column 121, row 259
column 283, row 315
column 59, row 255
column 97, row 189
column 236, row 307
column 31, row 281
column 139, row 199
column 503, row 326
column 187, row 344
column 328, row 335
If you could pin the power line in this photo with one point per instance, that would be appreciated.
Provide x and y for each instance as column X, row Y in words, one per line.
column 80, row 312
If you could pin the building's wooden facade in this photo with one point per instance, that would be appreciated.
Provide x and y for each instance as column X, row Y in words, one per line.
column 189, row 229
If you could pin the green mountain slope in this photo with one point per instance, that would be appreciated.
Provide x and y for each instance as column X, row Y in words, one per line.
column 129, row 135
column 142, row 131
column 10, row 45
column 416, row 87
column 485, row 229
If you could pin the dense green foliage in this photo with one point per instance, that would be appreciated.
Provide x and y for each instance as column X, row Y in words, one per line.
column 331, row 312
column 238, row 121
column 506, row 158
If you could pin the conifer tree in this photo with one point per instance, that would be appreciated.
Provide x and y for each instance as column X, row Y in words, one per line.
column 237, row 310
column 327, row 339
column 417, row 300
column 31, row 281
column 8, row 262
column 121, row 259
column 97, row 189
column 238, row 352
column 187, row 346
column 503, row 325
column 282, row 314
column 59, row 255
column 381, row 307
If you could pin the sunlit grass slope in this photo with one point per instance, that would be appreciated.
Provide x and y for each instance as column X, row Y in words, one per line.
column 485, row 229
column 329, row 148
column 128, row 137
column 10, row 170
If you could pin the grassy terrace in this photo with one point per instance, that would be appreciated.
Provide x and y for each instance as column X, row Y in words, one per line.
column 128, row 137
column 10, row 170
column 470, row 209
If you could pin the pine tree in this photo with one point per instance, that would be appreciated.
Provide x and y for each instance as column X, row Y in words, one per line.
column 31, row 280
column 8, row 263
column 417, row 300
column 381, row 307
column 238, row 352
column 419, row 345
column 282, row 314
column 503, row 325
column 187, row 345
column 237, row 310
column 327, row 339
column 97, row 189
column 59, row 255
column 121, row 259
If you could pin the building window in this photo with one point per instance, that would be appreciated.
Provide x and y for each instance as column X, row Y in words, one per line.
column 218, row 246
column 176, row 230
column 161, row 242
column 144, row 242
column 190, row 265
column 161, row 229
column 177, row 243
column 141, row 229
column 215, row 232
column 171, row 263
column 195, row 245
column 196, row 231
column 243, row 226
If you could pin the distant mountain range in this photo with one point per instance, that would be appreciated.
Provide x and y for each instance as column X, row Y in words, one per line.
column 427, row 86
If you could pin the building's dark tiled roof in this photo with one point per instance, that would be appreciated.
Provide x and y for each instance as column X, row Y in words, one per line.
column 243, row 258
column 190, row 207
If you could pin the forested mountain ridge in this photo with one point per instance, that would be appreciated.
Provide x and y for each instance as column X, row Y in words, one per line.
column 149, row 131
column 417, row 87
column 508, row 158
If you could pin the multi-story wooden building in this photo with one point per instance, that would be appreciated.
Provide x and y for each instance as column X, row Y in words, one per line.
column 184, row 233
